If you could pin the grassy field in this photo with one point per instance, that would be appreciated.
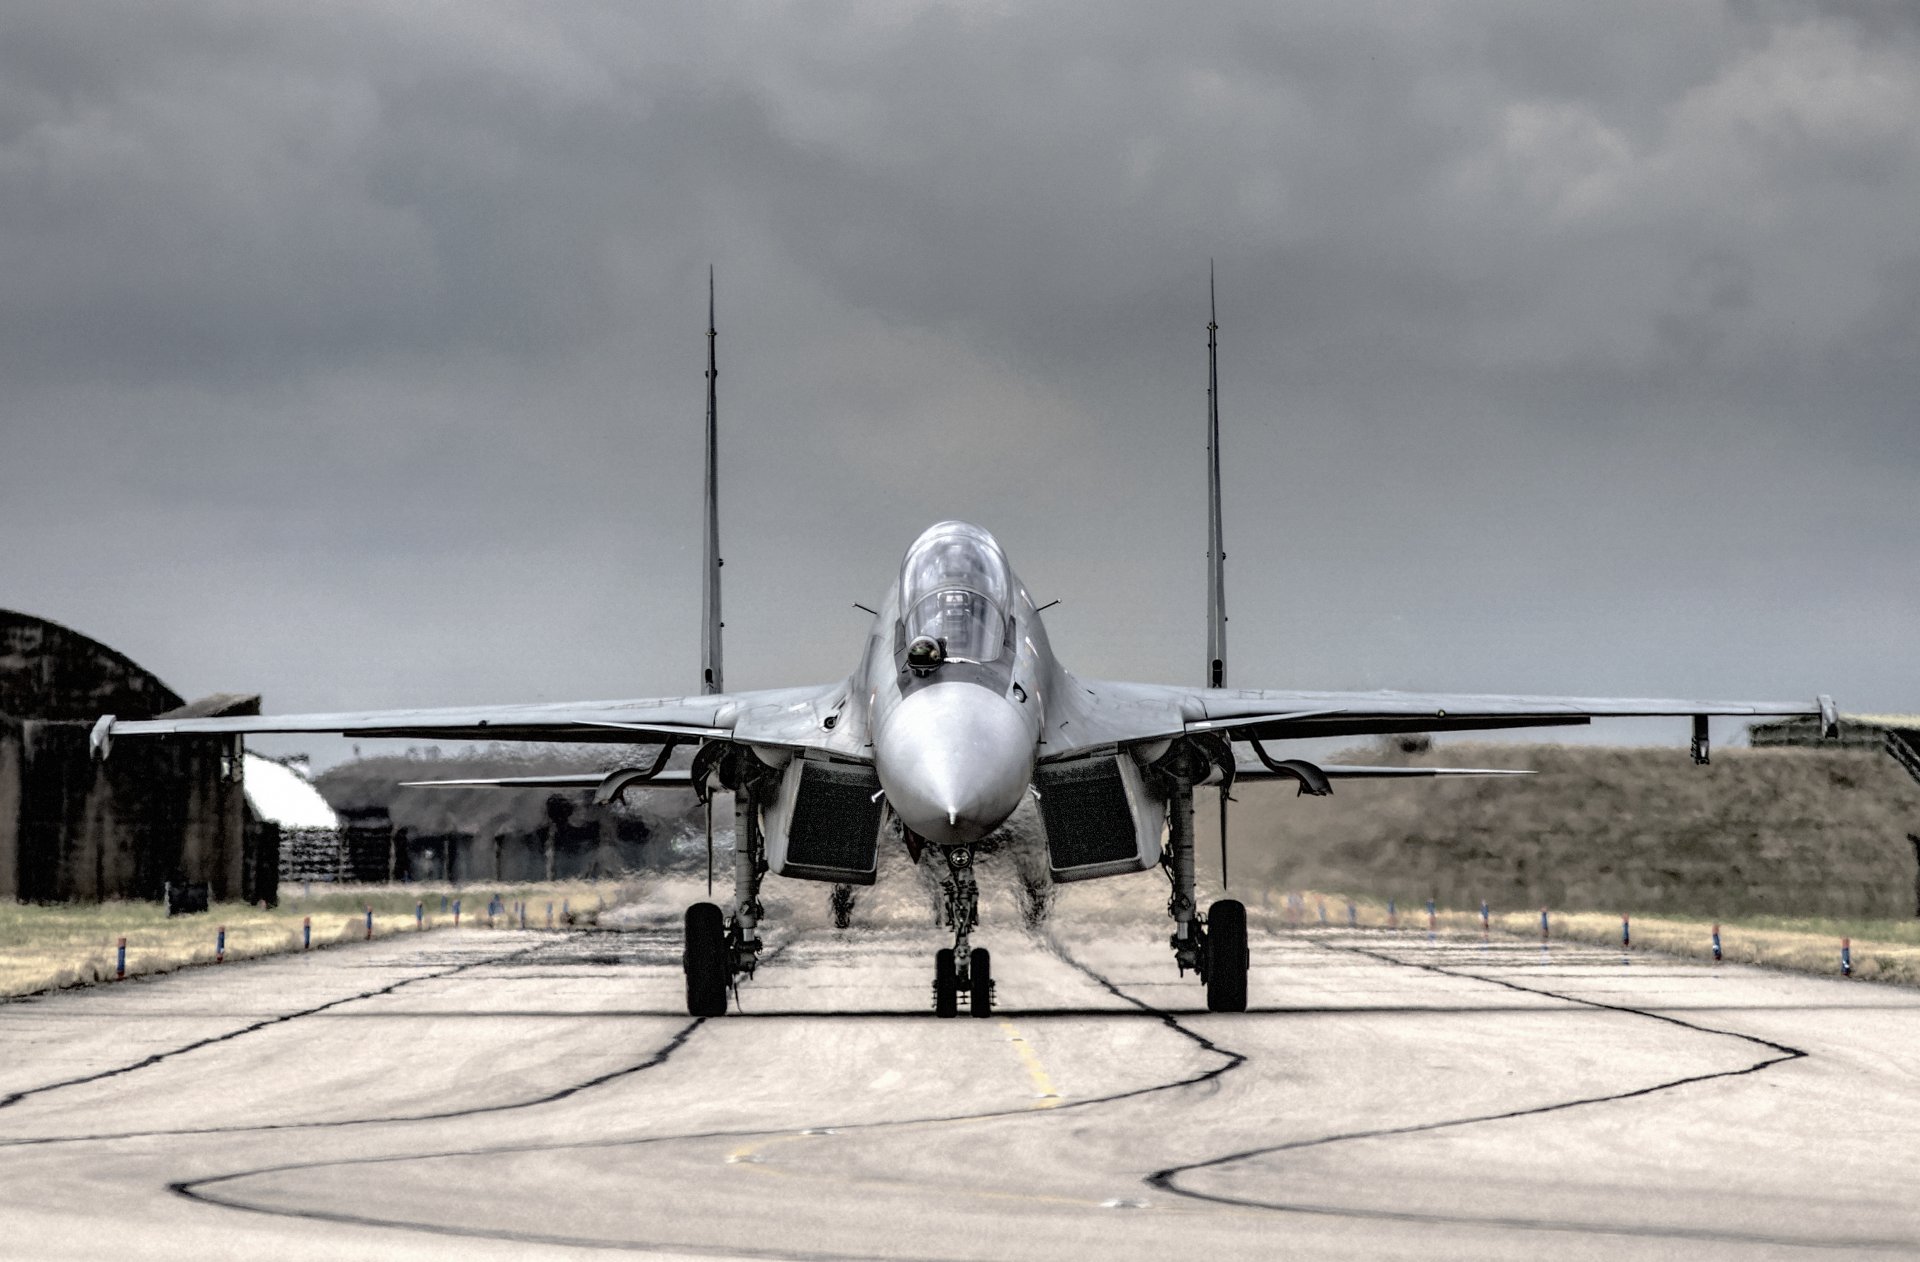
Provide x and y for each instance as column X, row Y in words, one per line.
column 1883, row 950
column 47, row 947
column 1759, row 834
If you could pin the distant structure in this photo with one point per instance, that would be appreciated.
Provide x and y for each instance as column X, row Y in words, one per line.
column 389, row 832
column 1898, row 735
column 293, row 818
column 73, row 829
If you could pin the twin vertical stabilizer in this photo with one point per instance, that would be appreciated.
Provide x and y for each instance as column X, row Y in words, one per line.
column 710, row 666
column 1216, row 547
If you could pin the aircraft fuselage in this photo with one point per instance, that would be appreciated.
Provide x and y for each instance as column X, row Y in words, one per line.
column 957, row 674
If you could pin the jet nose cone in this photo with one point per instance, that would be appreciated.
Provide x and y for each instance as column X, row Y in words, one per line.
column 954, row 759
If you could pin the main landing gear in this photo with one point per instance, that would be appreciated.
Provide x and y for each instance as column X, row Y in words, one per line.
column 1215, row 947
column 959, row 970
column 718, row 950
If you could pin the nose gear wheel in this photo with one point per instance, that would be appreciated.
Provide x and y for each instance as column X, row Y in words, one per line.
column 961, row 968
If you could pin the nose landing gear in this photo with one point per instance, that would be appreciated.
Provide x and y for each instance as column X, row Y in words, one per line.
column 960, row 969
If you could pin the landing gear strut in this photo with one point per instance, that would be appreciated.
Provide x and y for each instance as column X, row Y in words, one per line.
column 749, row 865
column 1215, row 948
column 961, row 968
column 721, row 949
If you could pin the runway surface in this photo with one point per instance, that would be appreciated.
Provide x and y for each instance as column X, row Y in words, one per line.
column 487, row 1093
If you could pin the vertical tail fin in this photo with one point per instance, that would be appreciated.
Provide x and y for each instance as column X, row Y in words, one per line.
column 710, row 666
column 1216, row 545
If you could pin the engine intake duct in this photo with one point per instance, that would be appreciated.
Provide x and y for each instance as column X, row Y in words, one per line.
column 1097, row 817
column 832, row 822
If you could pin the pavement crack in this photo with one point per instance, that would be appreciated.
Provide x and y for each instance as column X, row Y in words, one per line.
column 1167, row 1179
column 202, row 1189
column 13, row 1098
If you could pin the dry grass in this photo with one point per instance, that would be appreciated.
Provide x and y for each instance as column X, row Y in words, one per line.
column 1883, row 950
column 1759, row 833
column 48, row 947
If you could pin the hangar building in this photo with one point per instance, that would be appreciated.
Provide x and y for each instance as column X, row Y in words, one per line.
column 164, row 809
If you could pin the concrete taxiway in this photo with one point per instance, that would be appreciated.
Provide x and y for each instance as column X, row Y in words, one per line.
column 488, row 1093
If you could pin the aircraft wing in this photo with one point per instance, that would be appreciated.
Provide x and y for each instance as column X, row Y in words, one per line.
column 1091, row 714
column 678, row 777
column 1259, row 771
column 797, row 718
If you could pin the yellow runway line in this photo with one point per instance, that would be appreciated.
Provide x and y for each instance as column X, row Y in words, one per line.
column 1046, row 1096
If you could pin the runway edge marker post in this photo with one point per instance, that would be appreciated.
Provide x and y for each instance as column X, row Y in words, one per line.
column 1846, row 957
column 120, row 962
column 220, row 946
column 1716, row 942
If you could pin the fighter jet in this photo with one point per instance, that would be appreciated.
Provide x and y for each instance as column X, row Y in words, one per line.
column 956, row 710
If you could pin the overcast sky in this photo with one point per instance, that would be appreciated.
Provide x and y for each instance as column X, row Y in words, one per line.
column 352, row 354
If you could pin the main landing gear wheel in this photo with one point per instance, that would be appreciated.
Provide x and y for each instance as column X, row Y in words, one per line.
column 980, row 983
column 946, row 984
column 1227, row 957
column 705, row 960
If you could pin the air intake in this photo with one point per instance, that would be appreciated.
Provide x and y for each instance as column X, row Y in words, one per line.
column 1097, row 817
column 833, row 832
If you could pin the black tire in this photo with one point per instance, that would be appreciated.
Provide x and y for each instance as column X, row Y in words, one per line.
column 705, row 960
column 946, row 984
column 1227, row 956
column 980, row 978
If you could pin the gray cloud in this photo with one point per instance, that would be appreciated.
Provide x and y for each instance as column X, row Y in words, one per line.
column 354, row 354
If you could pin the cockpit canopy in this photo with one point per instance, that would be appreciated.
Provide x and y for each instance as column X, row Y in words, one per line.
column 955, row 588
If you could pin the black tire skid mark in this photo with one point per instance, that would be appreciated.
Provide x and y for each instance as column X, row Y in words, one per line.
column 1166, row 1180
column 680, row 1036
column 195, row 1189
column 13, row 1098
